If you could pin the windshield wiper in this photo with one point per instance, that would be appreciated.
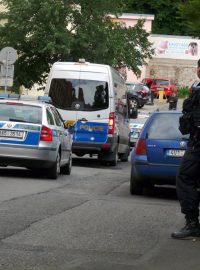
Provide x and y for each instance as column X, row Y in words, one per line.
column 18, row 120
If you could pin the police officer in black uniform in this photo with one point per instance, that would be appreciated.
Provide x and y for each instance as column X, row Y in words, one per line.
column 187, row 177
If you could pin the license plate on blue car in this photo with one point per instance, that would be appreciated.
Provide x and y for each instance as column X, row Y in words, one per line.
column 175, row 153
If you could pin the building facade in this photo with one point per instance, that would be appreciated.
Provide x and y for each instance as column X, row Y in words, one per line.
column 175, row 56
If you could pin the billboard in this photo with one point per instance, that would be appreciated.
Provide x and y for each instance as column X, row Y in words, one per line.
column 176, row 47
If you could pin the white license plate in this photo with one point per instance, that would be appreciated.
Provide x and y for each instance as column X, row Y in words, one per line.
column 176, row 153
column 11, row 133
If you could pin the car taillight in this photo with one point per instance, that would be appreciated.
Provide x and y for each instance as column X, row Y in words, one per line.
column 46, row 134
column 140, row 148
column 111, row 123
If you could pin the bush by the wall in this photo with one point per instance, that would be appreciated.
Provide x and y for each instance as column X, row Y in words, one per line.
column 183, row 91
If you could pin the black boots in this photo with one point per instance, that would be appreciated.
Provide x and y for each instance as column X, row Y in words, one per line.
column 191, row 229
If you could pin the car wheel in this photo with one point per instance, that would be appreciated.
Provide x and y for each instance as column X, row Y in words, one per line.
column 54, row 171
column 135, row 103
column 136, row 186
column 79, row 154
column 114, row 157
column 109, row 158
column 66, row 169
column 124, row 156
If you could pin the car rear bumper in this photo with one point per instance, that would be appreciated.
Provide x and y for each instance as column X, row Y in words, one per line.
column 94, row 148
column 27, row 156
column 160, row 174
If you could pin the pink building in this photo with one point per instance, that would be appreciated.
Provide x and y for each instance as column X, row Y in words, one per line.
column 130, row 20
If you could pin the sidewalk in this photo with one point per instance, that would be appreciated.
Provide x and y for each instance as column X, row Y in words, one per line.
column 163, row 105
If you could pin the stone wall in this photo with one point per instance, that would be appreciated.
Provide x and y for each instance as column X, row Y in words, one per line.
column 182, row 71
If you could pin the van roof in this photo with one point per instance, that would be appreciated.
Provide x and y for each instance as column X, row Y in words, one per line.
column 76, row 66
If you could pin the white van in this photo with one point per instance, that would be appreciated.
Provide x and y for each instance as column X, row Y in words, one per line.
column 90, row 96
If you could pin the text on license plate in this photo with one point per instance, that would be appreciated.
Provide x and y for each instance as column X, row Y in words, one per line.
column 176, row 153
column 11, row 133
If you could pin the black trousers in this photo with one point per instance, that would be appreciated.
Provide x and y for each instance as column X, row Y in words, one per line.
column 172, row 105
column 187, row 182
column 152, row 96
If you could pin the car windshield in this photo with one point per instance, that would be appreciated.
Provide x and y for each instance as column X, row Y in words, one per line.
column 135, row 134
column 90, row 95
column 134, row 87
column 161, row 82
column 20, row 113
column 165, row 126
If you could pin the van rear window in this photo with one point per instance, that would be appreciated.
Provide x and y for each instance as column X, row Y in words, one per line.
column 84, row 95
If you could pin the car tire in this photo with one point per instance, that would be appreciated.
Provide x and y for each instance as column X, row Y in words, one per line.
column 54, row 171
column 135, row 103
column 136, row 186
column 109, row 158
column 124, row 157
column 114, row 157
column 66, row 169
column 79, row 154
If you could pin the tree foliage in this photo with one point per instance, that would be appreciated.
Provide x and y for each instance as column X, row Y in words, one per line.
column 45, row 31
column 167, row 17
column 190, row 14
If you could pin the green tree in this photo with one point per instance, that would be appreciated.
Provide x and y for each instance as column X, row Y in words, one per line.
column 190, row 13
column 167, row 18
column 45, row 31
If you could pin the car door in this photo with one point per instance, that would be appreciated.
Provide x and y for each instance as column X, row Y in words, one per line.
column 63, row 135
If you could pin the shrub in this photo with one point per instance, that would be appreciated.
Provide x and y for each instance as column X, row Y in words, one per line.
column 183, row 91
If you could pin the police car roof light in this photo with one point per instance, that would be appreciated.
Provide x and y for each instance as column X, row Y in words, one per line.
column 3, row 95
column 45, row 99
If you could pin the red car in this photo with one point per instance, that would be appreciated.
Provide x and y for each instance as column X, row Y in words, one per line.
column 166, row 85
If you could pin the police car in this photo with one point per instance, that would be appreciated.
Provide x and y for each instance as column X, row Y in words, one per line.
column 136, row 126
column 33, row 135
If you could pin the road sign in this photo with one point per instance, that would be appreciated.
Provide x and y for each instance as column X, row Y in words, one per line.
column 8, row 56
column 7, row 71
column 6, row 81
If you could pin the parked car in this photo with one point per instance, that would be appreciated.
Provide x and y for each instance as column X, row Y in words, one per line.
column 147, row 82
column 33, row 135
column 136, row 126
column 166, row 85
column 158, row 152
column 141, row 91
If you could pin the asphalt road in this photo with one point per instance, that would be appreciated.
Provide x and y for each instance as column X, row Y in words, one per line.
column 89, row 220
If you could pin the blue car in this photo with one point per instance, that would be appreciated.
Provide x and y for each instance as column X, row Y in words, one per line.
column 158, row 152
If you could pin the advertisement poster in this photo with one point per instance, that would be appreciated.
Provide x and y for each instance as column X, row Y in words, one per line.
column 178, row 48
